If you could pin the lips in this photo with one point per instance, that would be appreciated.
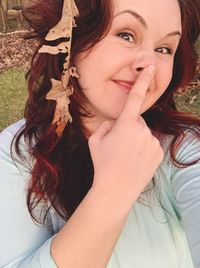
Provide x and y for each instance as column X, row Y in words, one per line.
column 125, row 85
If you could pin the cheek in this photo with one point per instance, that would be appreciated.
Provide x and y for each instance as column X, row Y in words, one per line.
column 164, row 77
column 86, row 70
column 99, row 64
column 162, row 81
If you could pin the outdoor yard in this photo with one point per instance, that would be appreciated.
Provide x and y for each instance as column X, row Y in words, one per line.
column 15, row 54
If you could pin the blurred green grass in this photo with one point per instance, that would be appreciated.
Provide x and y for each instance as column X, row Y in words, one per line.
column 189, row 102
column 13, row 94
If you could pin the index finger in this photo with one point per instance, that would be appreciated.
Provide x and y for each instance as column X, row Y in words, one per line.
column 137, row 94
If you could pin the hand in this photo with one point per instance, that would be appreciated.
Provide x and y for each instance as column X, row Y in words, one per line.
column 124, row 152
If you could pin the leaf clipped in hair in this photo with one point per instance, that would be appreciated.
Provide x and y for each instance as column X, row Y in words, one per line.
column 54, row 50
column 61, row 96
column 64, row 27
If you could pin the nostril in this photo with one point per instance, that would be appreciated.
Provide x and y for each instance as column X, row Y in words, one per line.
column 139, row 69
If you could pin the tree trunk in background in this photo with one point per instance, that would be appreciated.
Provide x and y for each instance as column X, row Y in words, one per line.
column 3, row 10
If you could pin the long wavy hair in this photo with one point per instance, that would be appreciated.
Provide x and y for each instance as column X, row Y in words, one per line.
column 63, row 171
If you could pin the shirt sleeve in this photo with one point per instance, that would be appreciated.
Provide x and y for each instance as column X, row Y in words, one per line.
column 186, row 188
column 23, row 243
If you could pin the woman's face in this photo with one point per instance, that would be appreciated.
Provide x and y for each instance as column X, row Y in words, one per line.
column 143, row 32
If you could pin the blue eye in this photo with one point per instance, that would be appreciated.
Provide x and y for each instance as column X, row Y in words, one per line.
column 165, row 50
column 126, row 36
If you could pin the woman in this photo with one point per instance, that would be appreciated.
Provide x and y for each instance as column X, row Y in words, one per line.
column 117, row 185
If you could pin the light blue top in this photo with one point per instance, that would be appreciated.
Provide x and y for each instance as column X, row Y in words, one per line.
column 151, row 238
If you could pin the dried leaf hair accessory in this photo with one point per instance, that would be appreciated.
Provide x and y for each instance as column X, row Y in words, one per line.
column 61, row 90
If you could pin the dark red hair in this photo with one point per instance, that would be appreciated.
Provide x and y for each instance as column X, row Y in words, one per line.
column 63, row 171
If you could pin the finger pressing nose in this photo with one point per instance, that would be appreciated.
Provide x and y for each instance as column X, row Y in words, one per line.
column 137, row 94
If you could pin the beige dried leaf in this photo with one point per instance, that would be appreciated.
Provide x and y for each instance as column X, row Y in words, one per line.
column 61, row 96
column 57, row 90
column 61, row 109
column 60, row 48
column 75, row 11
column 61, row 30
column 60, row 90
column 62, row 115
column 64, row 27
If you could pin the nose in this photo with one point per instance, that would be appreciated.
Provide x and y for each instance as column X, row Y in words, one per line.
column 139, row 69
column 142, row 58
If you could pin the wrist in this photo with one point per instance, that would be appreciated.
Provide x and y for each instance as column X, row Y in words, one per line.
column 114, row 199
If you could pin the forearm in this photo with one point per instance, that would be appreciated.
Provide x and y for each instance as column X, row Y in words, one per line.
column 88, row 238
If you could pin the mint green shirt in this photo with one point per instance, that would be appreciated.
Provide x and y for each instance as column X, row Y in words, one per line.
column 152, row 237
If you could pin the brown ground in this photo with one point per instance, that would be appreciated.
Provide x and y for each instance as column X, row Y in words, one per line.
column 15, row 52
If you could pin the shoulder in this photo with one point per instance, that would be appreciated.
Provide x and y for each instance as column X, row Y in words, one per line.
column 8, row 133
column 189, row 148
column 8, row 158
column 186, row 167
column 185, row 175
column 22, row 241
column 185, row 183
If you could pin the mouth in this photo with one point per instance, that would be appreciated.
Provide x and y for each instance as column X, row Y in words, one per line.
column 124, row 85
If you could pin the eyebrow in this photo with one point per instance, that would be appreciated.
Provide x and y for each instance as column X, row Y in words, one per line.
column 174, row 33
column 134, row 14
column 143, row 22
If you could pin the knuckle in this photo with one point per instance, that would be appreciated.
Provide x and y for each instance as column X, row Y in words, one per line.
column 161, row 153
column 144, row 82
column 109, row 123
column 106, row 123
column 144, row 131
column 91, row 140
column 156, row 141
column 158, row 149
column 123, row 127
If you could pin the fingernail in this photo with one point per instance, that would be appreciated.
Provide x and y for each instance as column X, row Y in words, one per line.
column 151, row 69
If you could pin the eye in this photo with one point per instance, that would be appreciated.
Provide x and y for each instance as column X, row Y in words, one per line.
column 164, row 50
column 126, row 36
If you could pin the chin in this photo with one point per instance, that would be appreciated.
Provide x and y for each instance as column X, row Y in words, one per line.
column 109, row 116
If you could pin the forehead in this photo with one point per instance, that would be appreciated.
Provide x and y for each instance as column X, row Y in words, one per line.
column 164, row 13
